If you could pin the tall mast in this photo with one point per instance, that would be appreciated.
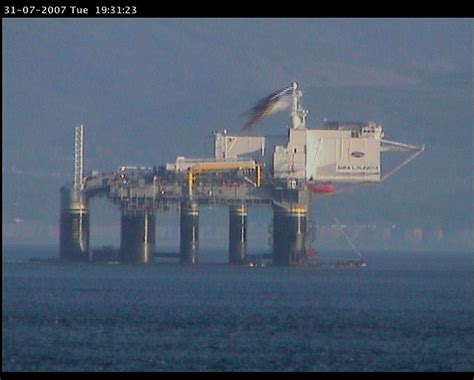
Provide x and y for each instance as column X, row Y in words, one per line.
column 297, row 113
column 78, row 157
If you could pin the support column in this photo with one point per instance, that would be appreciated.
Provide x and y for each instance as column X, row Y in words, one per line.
column 73, row 226
column 289, row 234
column 189, row 234
column 137, row 238
column 237, row 234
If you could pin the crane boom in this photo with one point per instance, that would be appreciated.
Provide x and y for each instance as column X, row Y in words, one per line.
column 222, row 166
column 208, row 166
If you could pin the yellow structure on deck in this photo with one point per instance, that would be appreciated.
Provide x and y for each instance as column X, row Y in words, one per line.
column 222, row 166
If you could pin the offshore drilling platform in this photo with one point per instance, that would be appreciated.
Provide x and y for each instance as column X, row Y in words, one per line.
column 244, row 171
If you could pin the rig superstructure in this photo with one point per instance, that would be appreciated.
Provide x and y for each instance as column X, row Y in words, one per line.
column 243, row 172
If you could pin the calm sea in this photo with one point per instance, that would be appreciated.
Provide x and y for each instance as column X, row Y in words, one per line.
column 403, row 312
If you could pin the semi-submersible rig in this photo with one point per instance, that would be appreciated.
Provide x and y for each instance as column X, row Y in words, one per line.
column 245, row 171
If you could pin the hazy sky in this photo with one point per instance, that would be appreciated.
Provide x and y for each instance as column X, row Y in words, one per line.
column 148, row 90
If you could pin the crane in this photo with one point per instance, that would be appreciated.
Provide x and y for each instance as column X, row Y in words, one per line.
column 221, row 166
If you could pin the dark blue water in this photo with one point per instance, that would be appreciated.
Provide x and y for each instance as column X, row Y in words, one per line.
column 403, row 312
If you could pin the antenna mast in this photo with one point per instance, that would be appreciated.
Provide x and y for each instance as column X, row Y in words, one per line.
column 297, row 113
column 78, row 157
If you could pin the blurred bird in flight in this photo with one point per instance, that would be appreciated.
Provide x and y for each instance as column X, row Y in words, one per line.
column 275, row 102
